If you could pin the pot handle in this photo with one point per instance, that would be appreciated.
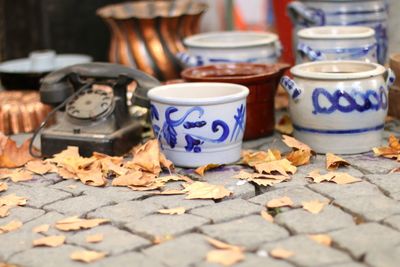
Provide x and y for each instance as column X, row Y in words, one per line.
column 190, row 61
column 391, row 77
column 291, row 87
column 313, row 55
column 300, row 14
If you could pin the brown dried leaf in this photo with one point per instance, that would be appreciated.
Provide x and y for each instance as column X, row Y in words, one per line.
column 280, row 253
column 11, row 226
column 4, row 211
column 12, row 200
column 202, row 190
column 299, row 157
column 322, row 239
column 344, row 178
column 71, row 161
column 280, row 202
column 65, row 174
column 43, row 228
column 49, row 241
column 222, row 245
column 317, row 177
column 3, row 186
column 12, row 156
column 18, row 175
column 177, row 211
column 148, row 157
column 39, row 167
column 252, row 176
column 266, row 216
column 200, row 170
column 96, row 238
column 252, row 158
column 394, row 142
column 5, row 173
column 285, row 125
column 75, row 223
column 92, row 177
column 166, row 163
column 282, row 166
column 225, row 257
column 314, row 206
column 333, row 162
column 135, row 178
column 176, row 177
column 108, row 165
column 87, row 256
column 294, row 143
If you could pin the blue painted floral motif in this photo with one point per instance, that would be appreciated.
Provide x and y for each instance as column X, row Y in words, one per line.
column 239, row 122
column 154, row 112
column 196, row 124
column 371, row 100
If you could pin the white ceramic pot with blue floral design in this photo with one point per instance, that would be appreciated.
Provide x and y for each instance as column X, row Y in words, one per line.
column 199, row 123
column 230, row 47
column 336, row 43
column 369, row 13
column 339, row 106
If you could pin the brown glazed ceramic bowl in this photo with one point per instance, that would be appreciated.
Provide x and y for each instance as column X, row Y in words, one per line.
column 262, row 81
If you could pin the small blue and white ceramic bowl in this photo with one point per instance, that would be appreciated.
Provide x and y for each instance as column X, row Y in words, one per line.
column 199, row 123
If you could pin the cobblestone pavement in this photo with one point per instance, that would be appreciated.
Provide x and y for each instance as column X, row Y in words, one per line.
column 363, row 219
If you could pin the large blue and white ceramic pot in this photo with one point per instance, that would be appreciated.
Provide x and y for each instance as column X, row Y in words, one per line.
column 336, row 43
column 339, row 106
column 369, row 13
column 199, row 123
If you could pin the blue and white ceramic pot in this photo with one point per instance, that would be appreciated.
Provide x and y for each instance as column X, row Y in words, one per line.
column 339, row 106
column 230, row 47
column 369, row 13
column 336, row 43
column 199, row 123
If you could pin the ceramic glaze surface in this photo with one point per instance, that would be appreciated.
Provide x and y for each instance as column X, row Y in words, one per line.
column 337, row 111
column 194, row 134
column 230, row 47
column 373, row 14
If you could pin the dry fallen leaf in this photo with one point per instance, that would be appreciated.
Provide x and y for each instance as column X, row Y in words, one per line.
column 261, row 179
column 222, row 245
column 39, row 167
column 147, row 157
column 202, row 190
column 294, row 143
column 280, row 253
column 299, row 157
column 87, row 256
column 344, row 178
column 12, row 156
column 322, row 239
column 134, row 178
column 282, row 166
column 4, row 211
column 96, row 238
column 200, row 170
column 314, row 206
column 280, row 202
column 12, row 200
column 266, row 216
column 392, row 151
column 75, row 223
column 225, row 257
column 5, row 173
column 41, row 228
column 333, row 162
column 3, row 186
column 49, row 241
column 11, row 226
column 285, row 125
column 92, row 177
column 4, row 264
column 252, row 158
column 177, row 211
column 21, row 176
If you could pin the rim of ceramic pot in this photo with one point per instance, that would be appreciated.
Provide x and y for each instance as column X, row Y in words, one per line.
column 187, row 94
column 230, row 39
column 336, row 32
column 337, row 70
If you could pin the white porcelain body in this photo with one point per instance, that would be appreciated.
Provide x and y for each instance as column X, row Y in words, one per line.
column 369, row 13
column 199, row 123
column 336, row 43
column 230, row 47
column 342, row 112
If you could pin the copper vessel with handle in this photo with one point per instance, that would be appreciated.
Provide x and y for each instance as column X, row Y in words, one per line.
column 148, row 34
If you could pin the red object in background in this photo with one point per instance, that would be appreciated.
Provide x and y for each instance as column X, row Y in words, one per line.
column 284, row 26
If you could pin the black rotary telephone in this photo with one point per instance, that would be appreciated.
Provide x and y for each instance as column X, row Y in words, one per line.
column 94, row 118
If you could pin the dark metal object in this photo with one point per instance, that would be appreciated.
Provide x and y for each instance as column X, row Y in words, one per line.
column 97, row 119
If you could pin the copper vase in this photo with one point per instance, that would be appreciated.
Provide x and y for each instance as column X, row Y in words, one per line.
column 148, row 34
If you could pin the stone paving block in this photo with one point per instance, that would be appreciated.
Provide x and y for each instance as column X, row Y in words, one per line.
column 395, row 196
column 71, row 186
column 297, row 194
column 389, row 183
column 115, row 241
column 16, row 241
column 38, row 196
column 227, row 210
column 393, row 221
column 300, row 221
column 307, row 252
column 115, row 193
column 133, row 259
column 125, row 212
column 297, row 180
column 336, row 191
column 24, row 214
column 251, row 260
column 347, row 264
column 249, row 232
column 371, row 208
column 389, row 257
column 162, row 224
column 78, row 205
column 363, row 238
column 174, row 201
column 370, row 163
column 182, row 251
column 42, row 180
column 49, row 218
column 48, row 257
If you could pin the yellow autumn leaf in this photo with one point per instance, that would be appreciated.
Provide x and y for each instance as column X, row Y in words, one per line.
column 4, row 211
column 322, row 239
column 294, row 143
column 202, row 169
column 222, row 245
column 282, row 166
column 41, row 228
column 173, row 211
column 12, row 200
column 96, row 238
column 252, row 158
column 333, row 162
column 19, row 175
column 3, row 186
column 314, row 206
column 10, row 227
column 147, row 157
column 299, row 157
column 280, row 253
column 49, row 241
column 202, row 190
column 266, row 216
column 344, row 178
column 280, row 202
column 93, row 177
column 225, row 257
column 39, row 167
column 76, row 223
column 284, row 125
column 134, row 178
column 87, row 256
